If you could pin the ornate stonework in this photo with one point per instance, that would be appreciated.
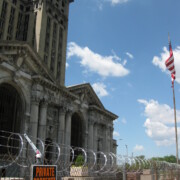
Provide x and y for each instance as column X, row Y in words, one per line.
column 51, row 110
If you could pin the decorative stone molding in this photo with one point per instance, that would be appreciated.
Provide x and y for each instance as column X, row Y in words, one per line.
column 111, row 129
column 44, row 103
column 62, row 110
column 14, row 48
column 69, row 111
column 91, row 121
column 89, row 93
column 52, row 87
column 105, row 112
column 35, row 100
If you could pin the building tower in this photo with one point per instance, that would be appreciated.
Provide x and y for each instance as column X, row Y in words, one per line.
column 33, row 97
column 43, row 25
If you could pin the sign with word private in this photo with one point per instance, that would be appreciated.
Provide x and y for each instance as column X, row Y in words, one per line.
column 43, row 172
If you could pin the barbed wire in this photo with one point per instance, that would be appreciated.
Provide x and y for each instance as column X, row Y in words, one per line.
column 16, row 149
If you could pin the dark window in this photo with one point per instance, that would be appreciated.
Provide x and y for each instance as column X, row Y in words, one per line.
column 28, row 9
column 11, row 23
column 46, row 46
column 14, row 2
column 34, row 29
column 59, row 53
column 19, row 27
column 4, row 8
column 53, row 50
column 26, row 22
column 21, row 7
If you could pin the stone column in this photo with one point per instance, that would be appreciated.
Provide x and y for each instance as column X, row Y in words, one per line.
column 61, row 127
column 34, row 119
column 108, row 145
column 86, row 140
column 67, row 136
column 42, row 120
column 95, row 138
column 26, row 124
column 111, row 139
column 104, row 138
column 68, row 128
column 90, row 134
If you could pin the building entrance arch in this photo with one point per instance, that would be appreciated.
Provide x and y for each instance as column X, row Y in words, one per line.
column 10, row 114
column 76, row 131
column 10, row 108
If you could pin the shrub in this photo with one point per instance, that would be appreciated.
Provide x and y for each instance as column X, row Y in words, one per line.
column 79, row 160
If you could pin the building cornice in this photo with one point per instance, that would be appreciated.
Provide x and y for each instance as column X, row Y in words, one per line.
column 86, row 87
column 103, row 111
column 43, row 76
column 43, row 81
column 36, row 59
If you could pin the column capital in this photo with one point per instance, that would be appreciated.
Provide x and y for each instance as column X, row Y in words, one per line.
column 62, row 109
column 91, row 121
column 44, row 103
column 69, row 112
column 35, row 100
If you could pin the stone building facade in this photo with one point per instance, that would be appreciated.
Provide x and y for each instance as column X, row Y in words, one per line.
column 33, row 96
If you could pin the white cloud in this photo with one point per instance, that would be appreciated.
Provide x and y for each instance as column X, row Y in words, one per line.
column 100, row 3
column 115, row 2
column 160, row 61
column 123, row 121
column 124, row 62
column 103, row 65
column 129, row 55
column 138, row 148
column 116, row 134
column 100, row 89
column 116, row 121
column 115, row 56
column 67, row 65
column 159, row 122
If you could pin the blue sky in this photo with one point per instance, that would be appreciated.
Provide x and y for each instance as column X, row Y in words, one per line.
column 120, row 46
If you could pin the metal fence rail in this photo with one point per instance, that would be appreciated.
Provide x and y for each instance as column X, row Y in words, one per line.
column 18, row 153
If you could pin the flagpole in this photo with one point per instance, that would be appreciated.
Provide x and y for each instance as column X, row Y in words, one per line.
column 177, row 157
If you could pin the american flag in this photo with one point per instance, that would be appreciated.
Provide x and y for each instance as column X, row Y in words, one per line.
column 170, row 63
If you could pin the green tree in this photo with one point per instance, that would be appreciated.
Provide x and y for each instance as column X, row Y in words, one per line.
column 170, row 159
column 141, row 157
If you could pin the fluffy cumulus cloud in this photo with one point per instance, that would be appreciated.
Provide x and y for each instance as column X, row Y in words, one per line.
column 100, row 3
column 159, row 122
column 138, row 148
column 103, row 65
column 115, row 2
column 116, row 134
column 100, row 89
column 159, row 61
